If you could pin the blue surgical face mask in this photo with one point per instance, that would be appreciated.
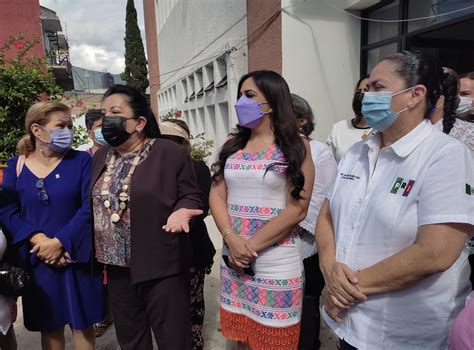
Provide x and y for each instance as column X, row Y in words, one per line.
column 99, row 138
column 376, row 108
column 61, row 139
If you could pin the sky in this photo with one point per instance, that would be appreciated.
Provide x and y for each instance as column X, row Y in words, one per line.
column 95, row 30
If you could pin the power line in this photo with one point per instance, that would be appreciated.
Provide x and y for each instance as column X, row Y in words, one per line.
column 212, row 42
column 249, row 39
column 395, row 20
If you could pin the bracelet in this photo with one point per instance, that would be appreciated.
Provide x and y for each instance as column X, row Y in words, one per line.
column 227, row 231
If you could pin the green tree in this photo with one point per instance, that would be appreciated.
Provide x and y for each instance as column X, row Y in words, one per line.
column 23, row 80
column 136, row 72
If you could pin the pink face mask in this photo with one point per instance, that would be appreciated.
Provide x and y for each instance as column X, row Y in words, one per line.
column 249, row 112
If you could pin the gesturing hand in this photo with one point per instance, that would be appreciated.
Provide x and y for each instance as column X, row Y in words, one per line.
column 241, row 252
column 178, row 221
column 341, row 283
column 48, row 250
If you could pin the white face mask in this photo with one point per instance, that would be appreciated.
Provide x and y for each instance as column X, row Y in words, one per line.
column 465, row 105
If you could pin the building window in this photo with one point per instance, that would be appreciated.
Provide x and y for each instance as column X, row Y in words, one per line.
column 417, row 9
column 379, row 31
column 375, row 55
column 439, row 35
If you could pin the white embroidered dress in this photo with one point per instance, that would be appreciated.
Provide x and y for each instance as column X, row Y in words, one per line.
column 256, row 193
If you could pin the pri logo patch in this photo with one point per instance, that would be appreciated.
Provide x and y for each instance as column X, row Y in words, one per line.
column 402, row 184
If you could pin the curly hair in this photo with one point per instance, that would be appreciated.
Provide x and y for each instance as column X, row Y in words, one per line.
column 284, row 126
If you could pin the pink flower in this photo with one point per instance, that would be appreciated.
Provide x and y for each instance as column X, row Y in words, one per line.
column 42, row 96
column 19, row 45
column 79, row 103
column 178, row 114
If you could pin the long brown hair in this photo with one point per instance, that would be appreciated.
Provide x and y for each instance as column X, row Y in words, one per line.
column 39, row 113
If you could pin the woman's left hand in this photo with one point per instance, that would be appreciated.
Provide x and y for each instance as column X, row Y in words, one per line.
column 178, row 221
column 48, row 250
column 334, row 308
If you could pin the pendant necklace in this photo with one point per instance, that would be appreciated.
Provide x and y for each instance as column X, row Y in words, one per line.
column 124, row 195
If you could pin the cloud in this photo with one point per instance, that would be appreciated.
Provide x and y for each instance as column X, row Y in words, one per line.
column 95, row 31
column 96, row 58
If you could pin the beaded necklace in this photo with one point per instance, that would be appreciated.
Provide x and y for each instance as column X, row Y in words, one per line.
column 124, row 195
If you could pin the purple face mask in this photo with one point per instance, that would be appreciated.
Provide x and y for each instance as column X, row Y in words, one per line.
column 248, row 112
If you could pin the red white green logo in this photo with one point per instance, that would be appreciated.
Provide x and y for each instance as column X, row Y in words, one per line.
column 404, row 185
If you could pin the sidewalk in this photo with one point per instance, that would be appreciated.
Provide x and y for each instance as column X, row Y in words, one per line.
column 213, row 339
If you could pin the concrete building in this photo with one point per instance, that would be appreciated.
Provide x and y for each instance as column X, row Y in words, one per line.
column 197, row 51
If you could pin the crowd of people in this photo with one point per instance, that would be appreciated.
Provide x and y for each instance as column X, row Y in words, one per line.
column 369, row 231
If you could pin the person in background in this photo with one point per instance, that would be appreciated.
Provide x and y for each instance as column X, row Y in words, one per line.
column 461, row 335
column 392, row 234
column 262, row 185
column 8, row 308
column 48, row 229
column 466, row 93
column 144, row 194
column 203, row 250
column 325, row 169
column 347, row 132
column 94, row 129
column 445, row 119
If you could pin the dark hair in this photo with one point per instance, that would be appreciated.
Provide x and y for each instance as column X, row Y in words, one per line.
column 450, row 91
column 357, row 102
column 468, row 75
column 92, row 116
column 284, row 125
column 182, row 124
column 418, row 68
column 139, row 105
column 303, row 110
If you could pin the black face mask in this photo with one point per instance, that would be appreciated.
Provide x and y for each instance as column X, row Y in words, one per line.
column 113, row 130
column 357, row 103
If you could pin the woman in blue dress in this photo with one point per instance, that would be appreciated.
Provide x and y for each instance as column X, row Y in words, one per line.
column 48, row 228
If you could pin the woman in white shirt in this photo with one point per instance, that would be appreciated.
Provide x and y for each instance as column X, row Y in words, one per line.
column 347, row 132
column 391, row 235
column 326, row 169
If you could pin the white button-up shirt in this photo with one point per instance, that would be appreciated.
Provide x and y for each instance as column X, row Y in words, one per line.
column 326, row 168
column 380, row 199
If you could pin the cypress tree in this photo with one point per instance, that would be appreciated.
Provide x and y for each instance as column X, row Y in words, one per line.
column 136, row 72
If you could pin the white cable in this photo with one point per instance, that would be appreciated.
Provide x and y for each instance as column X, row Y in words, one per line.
column 395, row 20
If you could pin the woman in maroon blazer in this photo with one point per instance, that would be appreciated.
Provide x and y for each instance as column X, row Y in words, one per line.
column 144, row 193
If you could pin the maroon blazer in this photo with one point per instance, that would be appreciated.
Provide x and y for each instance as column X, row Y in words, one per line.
column 163, row 183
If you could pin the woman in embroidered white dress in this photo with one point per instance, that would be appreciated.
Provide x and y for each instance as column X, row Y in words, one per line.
column 262, row 186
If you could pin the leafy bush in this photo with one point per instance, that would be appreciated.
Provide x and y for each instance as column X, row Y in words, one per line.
column 201, row 147
column 23, row 80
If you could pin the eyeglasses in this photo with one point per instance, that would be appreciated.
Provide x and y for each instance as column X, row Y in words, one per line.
column 42, row 195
